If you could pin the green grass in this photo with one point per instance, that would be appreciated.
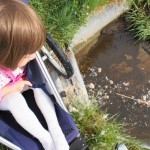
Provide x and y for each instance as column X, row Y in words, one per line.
column 138, row 20
column 100, row 130
column 139, row 25
column 2, row 147
column 62, row 18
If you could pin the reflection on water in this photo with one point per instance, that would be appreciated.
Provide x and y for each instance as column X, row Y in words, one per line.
column 117, row 65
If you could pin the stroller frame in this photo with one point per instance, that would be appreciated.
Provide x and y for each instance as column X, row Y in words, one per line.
column 49, row 80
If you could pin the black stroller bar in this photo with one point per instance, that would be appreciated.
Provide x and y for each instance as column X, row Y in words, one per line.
column 65, row 68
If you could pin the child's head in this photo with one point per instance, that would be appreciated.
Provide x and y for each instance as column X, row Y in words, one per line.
column 21, row 32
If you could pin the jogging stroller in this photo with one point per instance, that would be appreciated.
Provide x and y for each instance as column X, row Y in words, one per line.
column 13, row 135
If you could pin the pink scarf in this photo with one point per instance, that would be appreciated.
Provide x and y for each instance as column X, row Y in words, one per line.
column 11, row 75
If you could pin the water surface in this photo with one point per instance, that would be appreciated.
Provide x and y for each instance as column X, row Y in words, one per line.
column 116, row 65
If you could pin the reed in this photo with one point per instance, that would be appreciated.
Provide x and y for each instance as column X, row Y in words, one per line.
column 138, row 20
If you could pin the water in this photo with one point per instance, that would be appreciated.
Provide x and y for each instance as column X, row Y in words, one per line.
column 119, row 70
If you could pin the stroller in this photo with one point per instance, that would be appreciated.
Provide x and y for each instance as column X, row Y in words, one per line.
column 14, row 136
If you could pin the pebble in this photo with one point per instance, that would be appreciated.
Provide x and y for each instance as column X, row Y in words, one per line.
column 144, row 97
column 111, row 82
column 106, row 97
column 91, row 86
column 126, row 83
column 99, row 70
column 106, row 86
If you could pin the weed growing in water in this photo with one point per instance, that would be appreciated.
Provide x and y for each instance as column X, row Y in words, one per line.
column 100, row 130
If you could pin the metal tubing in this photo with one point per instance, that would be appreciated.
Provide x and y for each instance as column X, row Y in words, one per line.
column 9, row 144
column 50, row 81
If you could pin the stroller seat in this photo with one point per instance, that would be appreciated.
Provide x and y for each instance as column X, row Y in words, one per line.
column 15, row 137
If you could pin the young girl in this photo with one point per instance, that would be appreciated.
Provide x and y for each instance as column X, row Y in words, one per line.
column 21, row 35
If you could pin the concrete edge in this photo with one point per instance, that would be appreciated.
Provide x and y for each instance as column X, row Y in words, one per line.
column 95, row 23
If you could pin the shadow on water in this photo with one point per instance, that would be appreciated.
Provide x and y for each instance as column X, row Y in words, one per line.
column 116, row 65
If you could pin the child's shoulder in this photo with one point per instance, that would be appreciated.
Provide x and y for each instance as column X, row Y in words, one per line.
column 4, row 71
column 3, row 74
column 4, row 78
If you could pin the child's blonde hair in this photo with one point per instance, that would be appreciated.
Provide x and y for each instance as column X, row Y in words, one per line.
column 21, row 32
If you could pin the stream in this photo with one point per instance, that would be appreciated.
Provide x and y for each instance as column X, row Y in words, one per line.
column 117, row 69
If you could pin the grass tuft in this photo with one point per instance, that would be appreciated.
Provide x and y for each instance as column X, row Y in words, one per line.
column 63, row 18
column 138, row 20
column 100, row 130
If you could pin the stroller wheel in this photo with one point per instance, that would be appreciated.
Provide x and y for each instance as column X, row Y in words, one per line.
column 57, row 58
column 120, row 146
